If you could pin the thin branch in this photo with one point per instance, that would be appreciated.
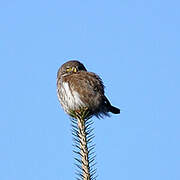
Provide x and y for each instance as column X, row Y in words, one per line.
column 83, row 134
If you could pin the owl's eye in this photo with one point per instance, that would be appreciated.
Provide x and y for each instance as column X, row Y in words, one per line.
column 71, row 69
column 68, row 69
column 74, row 69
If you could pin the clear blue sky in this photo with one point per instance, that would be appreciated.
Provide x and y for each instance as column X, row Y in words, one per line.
column 133, row 45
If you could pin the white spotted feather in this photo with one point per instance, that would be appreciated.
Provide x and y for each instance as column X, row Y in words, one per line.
column 72, row 99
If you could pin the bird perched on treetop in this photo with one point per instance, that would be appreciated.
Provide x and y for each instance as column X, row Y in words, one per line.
column 77, row 88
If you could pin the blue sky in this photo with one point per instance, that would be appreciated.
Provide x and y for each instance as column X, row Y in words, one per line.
column 132, row 45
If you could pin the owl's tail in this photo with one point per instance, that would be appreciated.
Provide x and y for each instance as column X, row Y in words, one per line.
column 114, row 110
column 111, row 108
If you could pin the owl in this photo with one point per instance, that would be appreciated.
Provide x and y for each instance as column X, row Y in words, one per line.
column 77, row 88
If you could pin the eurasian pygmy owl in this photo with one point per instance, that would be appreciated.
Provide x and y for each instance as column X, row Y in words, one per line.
column 77, row 88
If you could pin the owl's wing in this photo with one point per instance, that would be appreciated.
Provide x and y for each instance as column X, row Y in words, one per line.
column 88, row 85
column 88, row 81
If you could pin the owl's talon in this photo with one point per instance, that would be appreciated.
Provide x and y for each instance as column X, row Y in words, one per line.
column 83, row 112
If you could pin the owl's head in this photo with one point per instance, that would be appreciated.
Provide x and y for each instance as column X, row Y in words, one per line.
column 70, row 67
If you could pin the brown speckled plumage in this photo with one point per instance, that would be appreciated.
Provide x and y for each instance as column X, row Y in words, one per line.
column 81, row 89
